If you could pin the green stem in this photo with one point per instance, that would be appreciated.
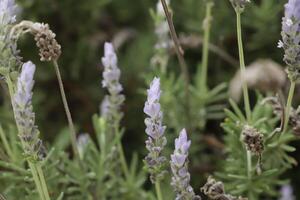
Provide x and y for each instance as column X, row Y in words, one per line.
column 36, row 180
column 67, row 110
column 121, row 152
column 205, row 50
column 288, row 106
column 43, row 181
column 6, row 145
column 242, row 66
column 158, row 190
column 249, row 172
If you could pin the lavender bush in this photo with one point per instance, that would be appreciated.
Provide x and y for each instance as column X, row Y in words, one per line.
column 248, row 156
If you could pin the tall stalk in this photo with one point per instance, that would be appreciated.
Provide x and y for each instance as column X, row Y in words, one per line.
column 205, row 48
column 180, row 56
column 158, row 190
column 288, row 106
column 67, row 110
column 242, row 66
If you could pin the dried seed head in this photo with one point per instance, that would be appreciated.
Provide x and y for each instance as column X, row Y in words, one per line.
column 215, row 190
column 253, row 140
column 49, row 49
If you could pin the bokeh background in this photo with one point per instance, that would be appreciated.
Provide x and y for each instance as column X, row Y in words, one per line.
column 82, row 27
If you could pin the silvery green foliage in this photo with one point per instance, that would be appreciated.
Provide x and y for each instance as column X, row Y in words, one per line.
column 155, row 130
column 110, row 107
column 265, row 175
column 162, row 45
column 291, row 38
column 286, row 193
column 239, row 5
column 179, row 166
column 24, row 115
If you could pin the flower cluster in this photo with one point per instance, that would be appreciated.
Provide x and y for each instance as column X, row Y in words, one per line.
column 291, row 38
column 287, row 193
column 8, row 10
column 179, row 166
column 239, row 5
column 24, row 115
column 49, row 49
column 161, row 57
column 8, row 51
column 253, row 140
column 155, row 130
column 110, row 107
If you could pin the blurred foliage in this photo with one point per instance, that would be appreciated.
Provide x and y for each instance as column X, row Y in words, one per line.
column 82, row 26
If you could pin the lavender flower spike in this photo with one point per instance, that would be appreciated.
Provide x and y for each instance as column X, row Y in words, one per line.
column 24, row 115
column 8, row 10
column 179, row 166
column 156, row 141
column 286, row 192
column 110, row 108
column 291, row 38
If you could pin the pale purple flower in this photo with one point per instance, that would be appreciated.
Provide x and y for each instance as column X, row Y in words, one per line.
column 286, row 193
column 155, row 130
column 179, row 166
column 291, row 38
column 112, row 73
column 111, row 104
column 8, row 11
column 162, row 45
column 24, row 115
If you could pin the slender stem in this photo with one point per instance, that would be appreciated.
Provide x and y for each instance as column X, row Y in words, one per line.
column 288, row 106
column 36, row 180
column 67, row 110
column 43, row 181
column 6, row 145
column 121, row 151
column 158, row 190
column 249, row 172
column 205, row 47
column 179, row 53
column 123, row 160
column 242, row 66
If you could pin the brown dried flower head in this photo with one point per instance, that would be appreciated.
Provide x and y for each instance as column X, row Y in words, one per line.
column 215, row 190
column 49, row 49
column 253, row 140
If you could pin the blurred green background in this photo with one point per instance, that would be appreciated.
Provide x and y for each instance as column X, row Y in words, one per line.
column 82, row 27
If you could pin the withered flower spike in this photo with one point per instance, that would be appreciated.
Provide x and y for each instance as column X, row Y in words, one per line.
column 49, row 49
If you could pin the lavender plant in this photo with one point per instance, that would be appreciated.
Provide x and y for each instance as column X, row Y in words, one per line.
column 179, row 166
column 256, row 155
column 290, row 43
column 155, row 161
